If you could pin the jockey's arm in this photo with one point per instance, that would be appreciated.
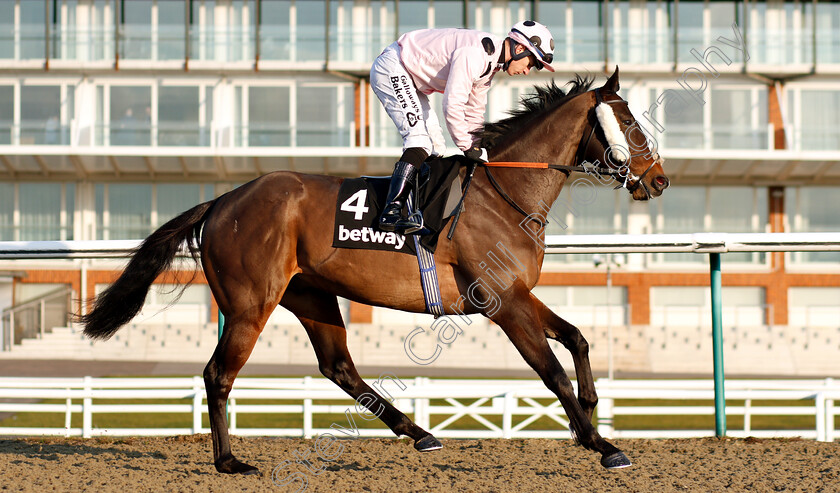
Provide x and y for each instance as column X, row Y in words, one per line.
column 459, row 100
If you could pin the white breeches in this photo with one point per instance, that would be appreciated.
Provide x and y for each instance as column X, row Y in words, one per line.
column 409, row 109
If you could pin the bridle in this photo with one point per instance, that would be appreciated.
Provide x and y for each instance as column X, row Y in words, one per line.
column 578, row 164
column 609, row 170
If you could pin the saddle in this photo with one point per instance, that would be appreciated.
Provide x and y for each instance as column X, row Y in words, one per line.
column 437, row 196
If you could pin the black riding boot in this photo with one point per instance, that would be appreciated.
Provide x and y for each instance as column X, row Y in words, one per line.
column 402, row 181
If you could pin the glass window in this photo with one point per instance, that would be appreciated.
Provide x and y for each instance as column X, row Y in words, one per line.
column 553, row 15
column 203, row 35
column 641, row 32
column 129, row 211
column 136, row 40
column 691, row 306
column 170, row 36
column 178, row 122
column 7, row 30
column 819, row 129
column 32, row 40
column 131, row 111
column 448, row 13
column 413, row 14
column 40, row 211
column 738, row 119
column 682, row 119
column 173, row 199
column 275, row 34
column 40, row 108
column 587, row 209
column 813, row 307
column 324, row 115
column 828, row 32
column 587, row 37
column 7, row 211
column 311, row 39
column 699, row 209
column 814, row 214
column 269, row 116
column 780, row 32
column 7, row 113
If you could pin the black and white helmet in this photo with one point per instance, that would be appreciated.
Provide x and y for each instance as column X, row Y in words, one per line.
column 537, row 40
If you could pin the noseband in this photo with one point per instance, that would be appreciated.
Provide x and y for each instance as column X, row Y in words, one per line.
column 579, row 159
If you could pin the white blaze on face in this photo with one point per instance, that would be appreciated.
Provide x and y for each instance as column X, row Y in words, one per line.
column 619, row 148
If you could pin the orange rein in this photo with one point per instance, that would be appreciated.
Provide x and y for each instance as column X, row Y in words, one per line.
column 506, row 164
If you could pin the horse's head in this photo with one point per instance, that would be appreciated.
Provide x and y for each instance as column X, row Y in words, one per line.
column 615, row 142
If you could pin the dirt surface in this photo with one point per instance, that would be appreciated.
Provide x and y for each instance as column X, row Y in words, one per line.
column 184, row 464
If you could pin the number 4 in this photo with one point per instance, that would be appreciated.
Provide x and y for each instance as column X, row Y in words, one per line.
column 359, row 209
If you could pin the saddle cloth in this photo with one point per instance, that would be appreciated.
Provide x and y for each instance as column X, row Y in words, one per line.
column 361, row 200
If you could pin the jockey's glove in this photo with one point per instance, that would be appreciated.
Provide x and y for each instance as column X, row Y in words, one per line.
column 477, row 154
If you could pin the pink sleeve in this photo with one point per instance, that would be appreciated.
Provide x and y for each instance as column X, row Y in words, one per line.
column 459, row 102
column 475, row 109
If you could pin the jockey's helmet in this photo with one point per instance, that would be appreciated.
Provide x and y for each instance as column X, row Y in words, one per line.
column 537, row 41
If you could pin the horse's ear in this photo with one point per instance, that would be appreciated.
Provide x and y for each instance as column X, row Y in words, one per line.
column 612, row 82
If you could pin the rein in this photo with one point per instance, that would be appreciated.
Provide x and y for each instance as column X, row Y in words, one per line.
column 577, row 167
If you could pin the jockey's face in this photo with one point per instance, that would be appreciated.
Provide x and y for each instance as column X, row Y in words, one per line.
column 523, row 65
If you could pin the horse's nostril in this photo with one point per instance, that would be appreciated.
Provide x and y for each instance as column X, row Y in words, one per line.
column 661, row 182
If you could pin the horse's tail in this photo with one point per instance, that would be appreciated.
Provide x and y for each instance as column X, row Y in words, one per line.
column 123, row 299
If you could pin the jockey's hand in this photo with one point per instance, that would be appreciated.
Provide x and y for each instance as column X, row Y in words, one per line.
column 477, row 154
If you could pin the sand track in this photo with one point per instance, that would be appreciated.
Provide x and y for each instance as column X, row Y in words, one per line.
column 184, row 464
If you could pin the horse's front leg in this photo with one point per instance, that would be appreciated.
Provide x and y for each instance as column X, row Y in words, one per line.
column 318, row 311
column 521, row 316
column 558, row 329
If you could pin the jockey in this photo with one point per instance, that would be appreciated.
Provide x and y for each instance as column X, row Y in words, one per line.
column 460, row 63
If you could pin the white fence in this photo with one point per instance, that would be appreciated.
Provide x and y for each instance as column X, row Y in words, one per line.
column 503, row 408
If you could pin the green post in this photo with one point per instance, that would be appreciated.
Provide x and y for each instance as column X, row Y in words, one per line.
column 717, row 345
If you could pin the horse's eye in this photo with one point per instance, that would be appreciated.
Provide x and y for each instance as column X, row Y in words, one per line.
column 627, row 122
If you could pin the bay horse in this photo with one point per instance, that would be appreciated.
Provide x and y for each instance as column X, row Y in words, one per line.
column 269, row 242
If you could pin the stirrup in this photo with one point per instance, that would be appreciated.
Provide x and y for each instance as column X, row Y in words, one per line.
column 409, row 225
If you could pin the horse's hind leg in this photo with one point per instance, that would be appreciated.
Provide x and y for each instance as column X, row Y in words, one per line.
column 522, row 320
column 569, row 335
column 240, row 334
column 318, row 311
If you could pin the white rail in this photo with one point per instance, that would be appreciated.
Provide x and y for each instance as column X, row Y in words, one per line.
column 651, row 243
column 504, row 408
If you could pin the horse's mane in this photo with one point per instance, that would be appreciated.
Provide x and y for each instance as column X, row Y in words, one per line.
column 532, row 106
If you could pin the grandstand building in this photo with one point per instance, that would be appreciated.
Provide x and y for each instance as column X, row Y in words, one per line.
column 116, row 115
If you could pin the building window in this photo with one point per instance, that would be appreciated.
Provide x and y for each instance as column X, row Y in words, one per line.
column 813, row 307
column 781, row 33
column 730, row 117
column 586, row 306
column 136, row 30
column 178, row 122
column 707, row 209
column 586, row 43
column 809, row 212
column 37, row 211
column 7, row 113
column 602, row 212
column 828, row 32
column 128, row 211
column 130, row 115
column 642, row 32
column 690, row 306
column 324, row 115
column 268, row 116
column 40, row 113
column 810, row 127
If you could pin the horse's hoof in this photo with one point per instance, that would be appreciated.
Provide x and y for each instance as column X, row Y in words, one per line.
column 427, row 444
column 230, row 465
column 615, row 461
